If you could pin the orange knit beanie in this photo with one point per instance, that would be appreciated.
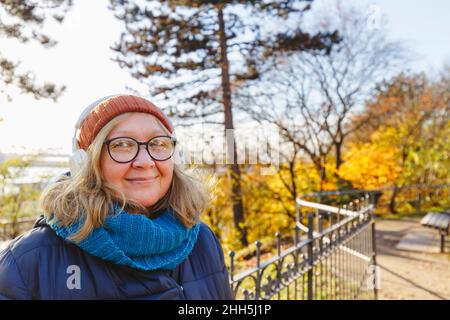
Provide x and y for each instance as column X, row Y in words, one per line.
column 110, row 108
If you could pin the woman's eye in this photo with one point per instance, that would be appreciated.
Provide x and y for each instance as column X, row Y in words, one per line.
column 158, row 144
column 122, row 144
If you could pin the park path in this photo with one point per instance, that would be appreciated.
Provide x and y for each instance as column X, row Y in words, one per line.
column 407, row 274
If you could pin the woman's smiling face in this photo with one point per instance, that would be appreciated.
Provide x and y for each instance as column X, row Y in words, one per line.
column 142, row 180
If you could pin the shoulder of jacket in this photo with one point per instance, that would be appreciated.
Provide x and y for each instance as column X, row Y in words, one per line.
column 206, row 233
column 208, row 242
column 39, row 238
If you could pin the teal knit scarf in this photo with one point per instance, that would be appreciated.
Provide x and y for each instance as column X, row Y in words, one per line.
column 137, row 241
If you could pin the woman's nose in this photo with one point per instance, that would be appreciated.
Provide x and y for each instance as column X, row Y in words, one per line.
column 143, row 158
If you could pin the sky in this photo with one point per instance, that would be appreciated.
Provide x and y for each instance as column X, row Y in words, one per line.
column 82, row 62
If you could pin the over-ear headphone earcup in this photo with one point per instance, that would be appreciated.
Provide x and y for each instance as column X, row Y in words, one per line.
column 78, row 159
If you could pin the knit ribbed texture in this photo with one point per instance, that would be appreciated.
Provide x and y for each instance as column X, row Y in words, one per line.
column 136, row 241
column 106, row 110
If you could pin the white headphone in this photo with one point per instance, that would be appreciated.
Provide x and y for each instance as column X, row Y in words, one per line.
column 80, row 157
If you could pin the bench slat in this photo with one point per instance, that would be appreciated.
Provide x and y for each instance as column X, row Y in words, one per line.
column 436, row 220
column 441, row 222
column 426, row 219
column 445, row 221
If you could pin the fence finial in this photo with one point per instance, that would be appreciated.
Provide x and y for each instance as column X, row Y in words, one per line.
column 231, row 253
column 278, row 235
column 258, row 245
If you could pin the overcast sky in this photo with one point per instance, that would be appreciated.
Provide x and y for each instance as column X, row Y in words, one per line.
column 82, row 61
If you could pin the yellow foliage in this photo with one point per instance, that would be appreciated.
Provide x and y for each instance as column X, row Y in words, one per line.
column 371, row 165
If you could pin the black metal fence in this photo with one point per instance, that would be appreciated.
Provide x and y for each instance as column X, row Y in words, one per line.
column 333, row 257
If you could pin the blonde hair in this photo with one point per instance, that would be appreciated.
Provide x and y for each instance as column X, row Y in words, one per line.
column 88, row 197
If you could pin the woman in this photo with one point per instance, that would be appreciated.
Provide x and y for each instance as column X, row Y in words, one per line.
column 125, row 223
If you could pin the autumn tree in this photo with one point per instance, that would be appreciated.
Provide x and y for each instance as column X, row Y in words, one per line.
column 22, row 20
column 195, row 53
column 410, row 115
column 16, row 200
column 314, row 97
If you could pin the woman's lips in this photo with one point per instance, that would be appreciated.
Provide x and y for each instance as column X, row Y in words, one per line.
column 142, row 180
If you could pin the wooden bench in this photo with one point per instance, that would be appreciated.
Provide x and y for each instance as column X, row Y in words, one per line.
column 439, row 221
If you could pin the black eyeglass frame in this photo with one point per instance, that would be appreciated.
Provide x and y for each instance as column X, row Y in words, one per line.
column 139, row 143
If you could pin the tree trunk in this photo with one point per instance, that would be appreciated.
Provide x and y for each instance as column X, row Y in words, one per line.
column 323, row 173
column 236, row 193
column 392, row 202
column 338, row 147
column 292, row 173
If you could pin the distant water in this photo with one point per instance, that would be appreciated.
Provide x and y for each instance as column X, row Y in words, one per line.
column 42, row 169
column 39, row 174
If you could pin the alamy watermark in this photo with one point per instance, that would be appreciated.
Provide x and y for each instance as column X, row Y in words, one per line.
column 74, row 279
column 258, row 145
column 374, row 278
column 374, row 17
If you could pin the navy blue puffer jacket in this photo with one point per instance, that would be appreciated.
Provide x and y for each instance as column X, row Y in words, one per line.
column 40, row 265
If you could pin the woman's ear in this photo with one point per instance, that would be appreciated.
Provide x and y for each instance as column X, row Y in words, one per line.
column 78, row 159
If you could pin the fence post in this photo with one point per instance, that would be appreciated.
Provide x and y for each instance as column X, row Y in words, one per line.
column 231, row 254
column 279, row 264
column 372, row 198
column 310, row 255
column 296, row 240
column 374, row 255
column 296, row 234
column 298, row 212
column 320, row 227
column 258, row 245
column 418, row 199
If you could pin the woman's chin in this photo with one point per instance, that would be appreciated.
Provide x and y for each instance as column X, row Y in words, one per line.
column 144, row 201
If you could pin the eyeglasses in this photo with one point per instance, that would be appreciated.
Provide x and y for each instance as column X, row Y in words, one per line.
column 126, row 149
